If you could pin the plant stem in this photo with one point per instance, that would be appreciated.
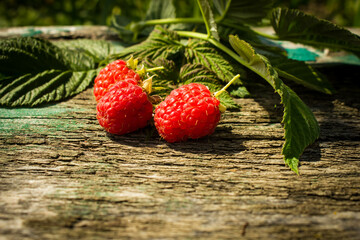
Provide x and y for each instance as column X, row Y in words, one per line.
column 154, row 69
column 192, row 35
column 227, row 85
column 273, row 37
column 204, row 19
column 171, row 21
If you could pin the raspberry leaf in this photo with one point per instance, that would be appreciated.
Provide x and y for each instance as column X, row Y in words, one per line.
column 161, row 9
column 296, row 26
column 44, row 87
column 240, row 92
column 202, row 52
column 35, row 71
column 245, row 11
column 98, row 50
column 161, row 44
column 209, row 19
column 301, row 73
column 131, row 31
column 27, row 55
column 301, row 127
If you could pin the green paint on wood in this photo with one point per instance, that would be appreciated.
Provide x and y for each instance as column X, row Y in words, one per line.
column 34, row 112
column 43, row 120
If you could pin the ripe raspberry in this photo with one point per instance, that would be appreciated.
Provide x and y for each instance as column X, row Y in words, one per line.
column 188, row 112
column 124, row 108
column 112, row 73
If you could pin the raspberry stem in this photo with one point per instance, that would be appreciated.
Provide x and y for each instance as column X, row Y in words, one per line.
column 143, row 70
column 154, row 69
column 216, row 94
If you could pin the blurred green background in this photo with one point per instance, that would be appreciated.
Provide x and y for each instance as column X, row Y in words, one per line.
column 96, row 12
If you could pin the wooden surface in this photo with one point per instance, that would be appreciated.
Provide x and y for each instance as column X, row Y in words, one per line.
column 63, row 177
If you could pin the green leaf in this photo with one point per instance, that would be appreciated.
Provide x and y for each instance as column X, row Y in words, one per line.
column 165, row 80
column 27, row 55
column 198, row 73
column 240, row 92
column 209, row 20
column 35, row 71
column 296, row 26
column 47, row 86
column 301, row 73
column 98, row 50
column 160, row 44
column 130, row 31
column 243, row 12
column 202, row 52
column 159, row 9
column 301, row 127
column 121, row 24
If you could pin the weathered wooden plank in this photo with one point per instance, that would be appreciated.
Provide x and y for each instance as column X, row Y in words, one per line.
column 63, row 177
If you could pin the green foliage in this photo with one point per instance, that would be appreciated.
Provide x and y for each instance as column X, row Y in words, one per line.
column 202, row 52
column 240, row 92
column 299, row 27
column 160, row 44
column 209, row 19
column 301, row 127
column 244, row 12
column 35, row 71
column 27, row 55
column 96, row 50
column 344, row 12
column 301, row 73
column 160, row 9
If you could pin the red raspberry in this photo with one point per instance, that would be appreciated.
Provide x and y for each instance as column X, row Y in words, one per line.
column 188, row 112
column 112, row 73
column 124, row 108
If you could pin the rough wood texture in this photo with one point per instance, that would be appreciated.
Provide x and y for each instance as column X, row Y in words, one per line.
column 63, row 177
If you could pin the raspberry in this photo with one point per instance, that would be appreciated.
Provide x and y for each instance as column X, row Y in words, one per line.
column 188, row 112
column 124, row 108
column 112, row 73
